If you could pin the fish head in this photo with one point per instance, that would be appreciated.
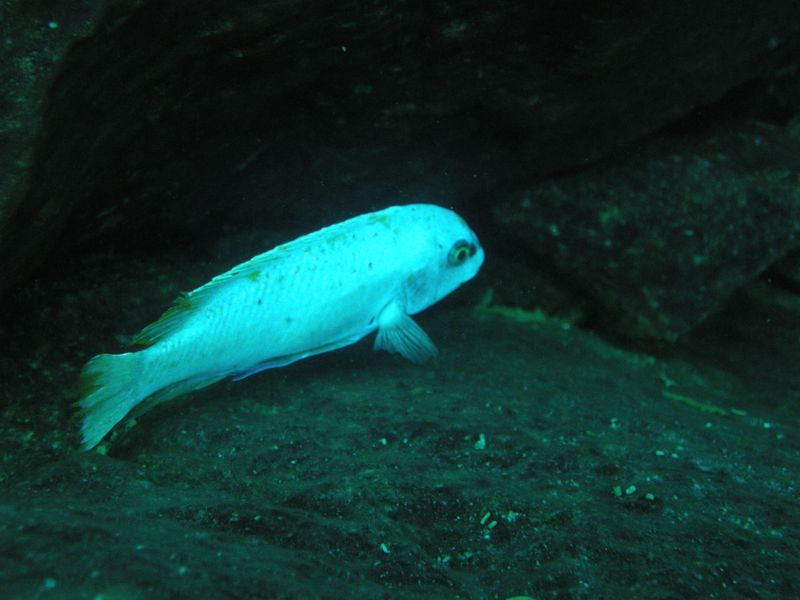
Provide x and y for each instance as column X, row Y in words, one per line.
column 452, row 255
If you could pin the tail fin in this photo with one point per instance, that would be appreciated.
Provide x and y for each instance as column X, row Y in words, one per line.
column 109, row 393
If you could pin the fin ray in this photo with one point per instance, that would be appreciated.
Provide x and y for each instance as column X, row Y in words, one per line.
column 282, row 361
column 400, row 333
column 188, row 302
column 109, row 383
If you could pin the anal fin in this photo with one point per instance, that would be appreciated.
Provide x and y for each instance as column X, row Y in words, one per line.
column 287, row 359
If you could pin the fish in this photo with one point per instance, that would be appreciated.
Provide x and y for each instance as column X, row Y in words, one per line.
column 318, row 293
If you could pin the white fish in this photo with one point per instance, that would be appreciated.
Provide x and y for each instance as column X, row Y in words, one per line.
column 320, row 292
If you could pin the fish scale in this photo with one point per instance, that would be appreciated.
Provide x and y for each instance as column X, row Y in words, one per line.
column 318, row 293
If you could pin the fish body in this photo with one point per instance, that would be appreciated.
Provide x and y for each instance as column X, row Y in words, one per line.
column 318, row 293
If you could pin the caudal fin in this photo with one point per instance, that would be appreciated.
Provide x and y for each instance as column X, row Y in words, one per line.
column 109, row 393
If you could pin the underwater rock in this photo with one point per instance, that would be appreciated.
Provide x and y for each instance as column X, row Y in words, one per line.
column 357, row 475
column 132, row 118
column 36, row 40
column 787, row 271
column 662, row 237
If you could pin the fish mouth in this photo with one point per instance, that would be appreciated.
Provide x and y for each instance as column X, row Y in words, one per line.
column 479, row 255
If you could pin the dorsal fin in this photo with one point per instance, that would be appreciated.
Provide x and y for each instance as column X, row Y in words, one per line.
column 188, row 303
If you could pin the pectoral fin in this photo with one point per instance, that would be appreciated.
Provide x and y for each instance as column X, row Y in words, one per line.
column 397, row 332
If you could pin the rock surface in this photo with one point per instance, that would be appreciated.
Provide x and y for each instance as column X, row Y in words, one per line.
column 529, row 459
column 144, row 118
column 662, row 237
column 36, row 42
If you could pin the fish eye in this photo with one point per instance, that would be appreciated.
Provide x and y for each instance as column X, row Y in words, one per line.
column 460, row 252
